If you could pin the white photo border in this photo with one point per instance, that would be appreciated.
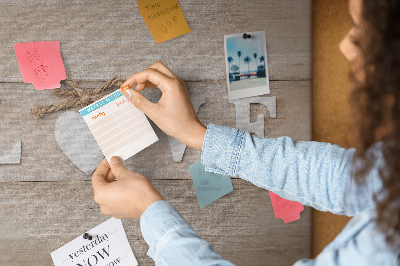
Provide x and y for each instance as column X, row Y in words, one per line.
column 247, row 92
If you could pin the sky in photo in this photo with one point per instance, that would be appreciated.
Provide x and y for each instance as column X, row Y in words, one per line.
column 248, row 47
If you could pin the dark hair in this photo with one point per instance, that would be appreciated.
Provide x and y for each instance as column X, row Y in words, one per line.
column 375, row 101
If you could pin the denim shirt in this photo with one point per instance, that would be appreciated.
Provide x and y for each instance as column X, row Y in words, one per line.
column 312, row 173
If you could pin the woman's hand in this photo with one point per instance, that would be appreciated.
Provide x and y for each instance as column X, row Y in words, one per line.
column 128, row 197
column 174, row 113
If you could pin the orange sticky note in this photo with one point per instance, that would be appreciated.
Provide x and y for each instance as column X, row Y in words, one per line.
column 284, row 209
column 164, row 18
column 41, row 63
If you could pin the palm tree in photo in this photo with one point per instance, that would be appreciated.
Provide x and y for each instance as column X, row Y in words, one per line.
column 262, row 59
column 247, row 60
column 234, row 68
column 255, row 60
column 230, row 60
column 239, row 55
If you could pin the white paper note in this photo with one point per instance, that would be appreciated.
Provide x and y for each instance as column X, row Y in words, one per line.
column 108, row 247
column 118, row 126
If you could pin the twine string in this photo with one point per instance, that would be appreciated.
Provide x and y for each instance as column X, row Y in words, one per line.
column 79, row 96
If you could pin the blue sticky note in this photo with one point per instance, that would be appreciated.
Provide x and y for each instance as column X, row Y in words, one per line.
column 209, row 186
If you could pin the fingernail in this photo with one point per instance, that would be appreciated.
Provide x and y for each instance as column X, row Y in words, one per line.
column 128, row 94
column 115, row 160
column 126, row 87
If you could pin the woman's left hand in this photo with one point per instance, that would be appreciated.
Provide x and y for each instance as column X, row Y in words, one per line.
column 128, row 197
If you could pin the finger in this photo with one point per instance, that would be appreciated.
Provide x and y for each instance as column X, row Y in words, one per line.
column 140, row 102
column 110, row 177
column 105, row 210
column 143, row 86
column 160, row 80
column 100, row 174
column 117, row 167
column 160, row 67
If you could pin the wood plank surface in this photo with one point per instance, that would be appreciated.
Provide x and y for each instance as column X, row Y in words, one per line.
column 102, row 39
column 43, row 160
column 46, row 201
column 39, row 217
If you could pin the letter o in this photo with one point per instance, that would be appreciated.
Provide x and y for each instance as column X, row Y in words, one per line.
column 88, row 260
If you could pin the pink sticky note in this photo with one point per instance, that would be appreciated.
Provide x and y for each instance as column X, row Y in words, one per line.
column 41, row 63
column 284, row 209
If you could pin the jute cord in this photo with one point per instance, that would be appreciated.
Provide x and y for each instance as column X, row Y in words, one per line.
column 77, row 95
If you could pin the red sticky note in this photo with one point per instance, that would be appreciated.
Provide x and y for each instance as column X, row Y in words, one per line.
column 284, row 209
column 41, row 63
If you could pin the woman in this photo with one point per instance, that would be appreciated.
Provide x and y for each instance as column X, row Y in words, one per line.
column 316, row 174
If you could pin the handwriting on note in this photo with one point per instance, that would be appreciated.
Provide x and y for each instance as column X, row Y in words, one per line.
column 209, row 186
column 118, row 126
column 164, row 18
column 41, row 63
column 284, row 209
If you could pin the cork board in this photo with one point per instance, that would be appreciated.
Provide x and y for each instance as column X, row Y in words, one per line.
column 331, row 90
column 46, row 200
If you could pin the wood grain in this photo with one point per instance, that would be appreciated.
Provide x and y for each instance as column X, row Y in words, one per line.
column 40, row 217
column 102, row 39
column 43, row 160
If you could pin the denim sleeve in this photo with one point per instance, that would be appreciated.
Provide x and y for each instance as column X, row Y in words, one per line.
column 312, row 173
column 172, row 241
column 360, row 243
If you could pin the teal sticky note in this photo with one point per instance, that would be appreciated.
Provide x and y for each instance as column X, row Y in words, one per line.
column 209, row 186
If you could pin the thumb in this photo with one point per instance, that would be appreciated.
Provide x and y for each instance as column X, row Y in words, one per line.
column 138, row 100
column 117, row 168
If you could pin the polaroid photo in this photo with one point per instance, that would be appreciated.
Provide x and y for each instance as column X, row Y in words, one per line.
column 246, row 65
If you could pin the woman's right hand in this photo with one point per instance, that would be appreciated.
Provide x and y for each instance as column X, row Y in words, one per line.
column 174, row 113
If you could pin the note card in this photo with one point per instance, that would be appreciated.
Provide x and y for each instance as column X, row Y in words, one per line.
column 41, row 63
column 287, row 210
column 164, row 18
column 209, row 186
column 108, row 246
column 118, row 126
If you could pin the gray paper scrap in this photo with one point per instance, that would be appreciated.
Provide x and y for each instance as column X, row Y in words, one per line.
column 77, row 142
column 243, row 114
column 15, row 155
column 178, row 148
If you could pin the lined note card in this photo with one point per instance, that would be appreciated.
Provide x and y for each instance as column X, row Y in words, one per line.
column 118, row 126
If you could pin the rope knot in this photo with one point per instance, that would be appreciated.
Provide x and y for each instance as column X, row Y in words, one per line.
column 77, row 96
column 85, row 99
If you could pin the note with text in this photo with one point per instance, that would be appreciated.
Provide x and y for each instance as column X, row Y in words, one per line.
column 41, row 63
column 164, row 18
column 118, row 126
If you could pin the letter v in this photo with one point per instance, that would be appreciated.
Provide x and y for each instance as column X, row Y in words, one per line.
column 178, row 148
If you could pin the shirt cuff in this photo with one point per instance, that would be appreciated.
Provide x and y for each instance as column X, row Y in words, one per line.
column 157, row 220
column 222, row 148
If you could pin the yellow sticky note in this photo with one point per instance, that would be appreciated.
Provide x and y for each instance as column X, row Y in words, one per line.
column 164, row 18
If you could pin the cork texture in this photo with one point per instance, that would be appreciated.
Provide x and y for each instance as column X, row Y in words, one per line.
column 331, row 89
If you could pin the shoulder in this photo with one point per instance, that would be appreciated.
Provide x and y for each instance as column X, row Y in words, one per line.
column 362, row 241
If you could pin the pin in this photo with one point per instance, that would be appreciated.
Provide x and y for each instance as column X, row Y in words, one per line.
column 246, row 36
column 87, row 236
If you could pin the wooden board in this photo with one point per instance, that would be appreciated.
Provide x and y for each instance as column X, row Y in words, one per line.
column 101, row 39
column 40, row 217
column 46, row 201
column 43, row 160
